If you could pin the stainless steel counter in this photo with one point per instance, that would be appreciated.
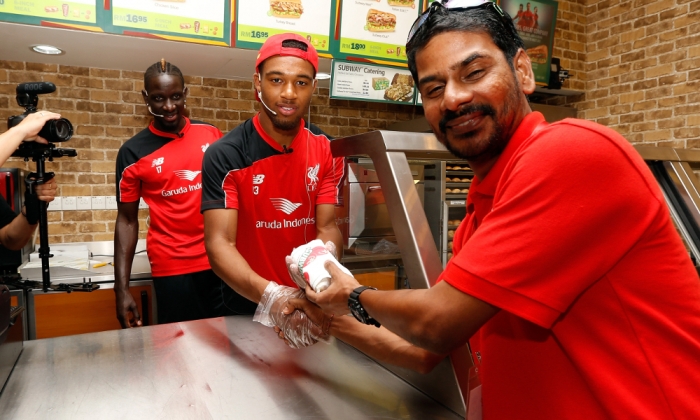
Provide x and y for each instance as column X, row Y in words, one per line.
column 221, row 368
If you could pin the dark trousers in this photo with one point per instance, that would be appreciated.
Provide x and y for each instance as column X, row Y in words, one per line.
column 196, row 296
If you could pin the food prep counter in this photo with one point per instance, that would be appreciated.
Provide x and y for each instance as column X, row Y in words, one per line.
column 219, row 368
column 53, row 314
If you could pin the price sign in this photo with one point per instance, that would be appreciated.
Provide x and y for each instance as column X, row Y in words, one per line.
column 79, row 11
column 191, row 18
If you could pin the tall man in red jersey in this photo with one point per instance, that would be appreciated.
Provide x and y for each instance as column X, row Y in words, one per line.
column 271, row 185
column 578, row 297
column 163, row 164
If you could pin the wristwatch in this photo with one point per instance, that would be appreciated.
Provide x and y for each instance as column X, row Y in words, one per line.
column 356, row 308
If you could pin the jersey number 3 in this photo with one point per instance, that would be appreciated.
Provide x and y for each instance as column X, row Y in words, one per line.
column 256, row 189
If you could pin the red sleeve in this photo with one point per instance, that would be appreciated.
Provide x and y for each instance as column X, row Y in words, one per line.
column 329, row 189
column 230, row 191
column 129, row 185
column 566, row 210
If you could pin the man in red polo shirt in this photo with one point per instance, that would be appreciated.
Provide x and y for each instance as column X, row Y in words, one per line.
column 569, row 280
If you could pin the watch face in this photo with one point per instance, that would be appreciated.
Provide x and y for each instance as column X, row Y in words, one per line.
column 357, row 311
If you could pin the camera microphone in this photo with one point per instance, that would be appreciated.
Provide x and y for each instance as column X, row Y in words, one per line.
column 265, row 105
column 286, row 149
column 53, row 131
column 35, row 88
column 155, row 115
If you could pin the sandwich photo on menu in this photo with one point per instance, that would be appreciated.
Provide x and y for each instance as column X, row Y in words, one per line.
column 378, row 21
column 401, row 88
column 291, row 9
column 402, row 3
column 538, row 54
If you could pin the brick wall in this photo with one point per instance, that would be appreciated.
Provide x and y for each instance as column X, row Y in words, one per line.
column 636, row 62
column 641, row 66
column 106, row 108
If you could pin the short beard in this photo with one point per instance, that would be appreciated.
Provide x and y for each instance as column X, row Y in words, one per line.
column 285, row 125
column 497, row 141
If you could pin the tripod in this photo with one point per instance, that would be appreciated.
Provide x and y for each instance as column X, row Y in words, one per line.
column 39, row 153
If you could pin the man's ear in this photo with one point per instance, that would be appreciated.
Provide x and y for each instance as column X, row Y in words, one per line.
column 145, row 96
column 256, row 81
column 185, row 92
column 523, row 71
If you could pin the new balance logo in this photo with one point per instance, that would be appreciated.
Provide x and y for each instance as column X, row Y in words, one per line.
column 284, row 205
column 205, row 147
column 258, row 179
column 157, row 162
column 188, row 175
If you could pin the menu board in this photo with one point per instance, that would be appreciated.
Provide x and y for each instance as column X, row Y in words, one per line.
column 535, row 22
column 199, row 18
column 259, row 19
column 364, row 82
column 376, row 28
column 82, row 11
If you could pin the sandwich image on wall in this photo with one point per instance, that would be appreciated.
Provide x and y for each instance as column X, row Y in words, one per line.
column 538, row 54
column 380, row 83
column 291, row 9
column 378, row 21
column 402, row 3
column 401, row 88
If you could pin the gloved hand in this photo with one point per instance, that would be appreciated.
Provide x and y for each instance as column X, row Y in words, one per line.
column 299, row 331
column 293, row 268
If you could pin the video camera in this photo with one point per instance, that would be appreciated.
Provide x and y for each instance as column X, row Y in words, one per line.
column 54, row 131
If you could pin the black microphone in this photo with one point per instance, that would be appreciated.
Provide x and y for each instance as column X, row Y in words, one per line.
column 287, row 150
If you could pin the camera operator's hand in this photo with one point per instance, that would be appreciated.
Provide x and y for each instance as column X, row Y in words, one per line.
column 47, row 192
column 33, row 123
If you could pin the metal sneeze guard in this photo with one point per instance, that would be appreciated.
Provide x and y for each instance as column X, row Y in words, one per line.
column 390, row 151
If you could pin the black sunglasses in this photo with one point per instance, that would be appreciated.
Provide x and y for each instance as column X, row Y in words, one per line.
column 441, row 3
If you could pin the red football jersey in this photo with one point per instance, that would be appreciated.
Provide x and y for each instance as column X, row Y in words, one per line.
column 275, row 191
column 165, row 169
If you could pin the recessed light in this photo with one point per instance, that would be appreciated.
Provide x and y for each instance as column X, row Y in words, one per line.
column 47, row 49
column 323, row 76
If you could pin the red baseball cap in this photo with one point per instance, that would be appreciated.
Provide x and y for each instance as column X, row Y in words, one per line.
column 273, row 46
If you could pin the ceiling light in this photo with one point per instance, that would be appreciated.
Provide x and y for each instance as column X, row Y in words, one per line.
column 47, row 49
column 323, row 76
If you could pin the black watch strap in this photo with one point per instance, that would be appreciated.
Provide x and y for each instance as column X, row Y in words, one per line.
column 356, row 308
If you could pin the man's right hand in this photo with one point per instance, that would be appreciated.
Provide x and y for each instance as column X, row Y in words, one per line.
column 125, row 305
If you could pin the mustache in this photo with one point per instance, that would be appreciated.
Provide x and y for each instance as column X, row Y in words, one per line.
column 487, row 110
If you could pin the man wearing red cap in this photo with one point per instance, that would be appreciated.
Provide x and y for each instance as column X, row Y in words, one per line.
column 271, row 185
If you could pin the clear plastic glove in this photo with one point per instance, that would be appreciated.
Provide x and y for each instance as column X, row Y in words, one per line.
column 293, row 268
column 299, row 331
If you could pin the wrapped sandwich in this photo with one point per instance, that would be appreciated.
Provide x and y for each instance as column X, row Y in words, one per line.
column 291, row 9
column 378, row 21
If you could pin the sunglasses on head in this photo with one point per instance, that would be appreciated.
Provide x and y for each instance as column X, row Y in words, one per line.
column 453, row 5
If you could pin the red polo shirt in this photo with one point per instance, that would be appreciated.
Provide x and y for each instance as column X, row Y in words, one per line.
column 570, row 236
